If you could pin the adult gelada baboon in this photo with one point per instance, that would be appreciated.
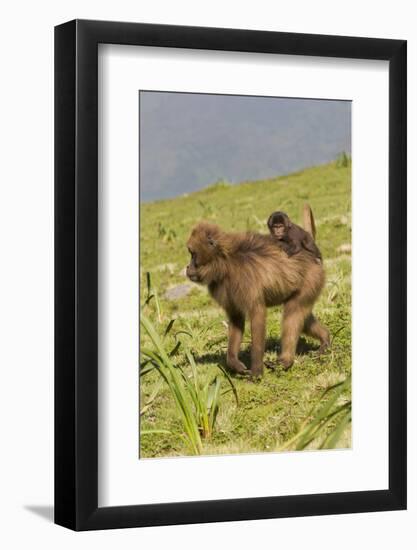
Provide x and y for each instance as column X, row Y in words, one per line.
column 246, row 273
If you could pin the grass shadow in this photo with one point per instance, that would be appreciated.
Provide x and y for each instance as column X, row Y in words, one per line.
column 271, row 345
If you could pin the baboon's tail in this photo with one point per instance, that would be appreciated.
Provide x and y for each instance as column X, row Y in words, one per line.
column 308, row 220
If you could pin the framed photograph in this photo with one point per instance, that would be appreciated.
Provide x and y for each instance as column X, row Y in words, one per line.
column 230, row 284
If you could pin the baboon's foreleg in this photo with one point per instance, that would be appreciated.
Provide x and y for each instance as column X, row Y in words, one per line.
column 293, row 319
column 258, row 329
column 316, row 330
column 236, row 328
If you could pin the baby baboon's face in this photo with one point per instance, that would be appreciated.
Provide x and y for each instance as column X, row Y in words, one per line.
column 278, row 229
column 278, row 224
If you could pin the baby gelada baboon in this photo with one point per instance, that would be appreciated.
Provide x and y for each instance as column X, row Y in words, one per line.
column 246, row 273
column 291, row 237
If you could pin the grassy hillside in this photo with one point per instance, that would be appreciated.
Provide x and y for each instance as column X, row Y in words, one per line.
column 272, row 410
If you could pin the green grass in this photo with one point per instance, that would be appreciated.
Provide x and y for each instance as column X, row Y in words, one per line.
column 272, row 411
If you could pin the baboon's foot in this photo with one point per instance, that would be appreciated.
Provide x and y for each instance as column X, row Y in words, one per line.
column 257, row 377
column 256, row 371
column 285, row 361
column 238, row 367
column 324, row 346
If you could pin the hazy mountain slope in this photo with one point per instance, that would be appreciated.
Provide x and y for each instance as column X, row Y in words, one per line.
column 187, row 141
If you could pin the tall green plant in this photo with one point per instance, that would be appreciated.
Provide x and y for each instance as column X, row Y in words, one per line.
column 197, row 402
column 152, row 294
column 326, row 421
column 343, row 160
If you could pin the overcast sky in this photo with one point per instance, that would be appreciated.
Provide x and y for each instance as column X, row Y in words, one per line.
column 189, row 141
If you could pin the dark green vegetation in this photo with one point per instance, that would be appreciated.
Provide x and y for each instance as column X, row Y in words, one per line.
column 280, row 411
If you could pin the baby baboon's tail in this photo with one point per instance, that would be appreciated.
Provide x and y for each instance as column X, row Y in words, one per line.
column 308, row 220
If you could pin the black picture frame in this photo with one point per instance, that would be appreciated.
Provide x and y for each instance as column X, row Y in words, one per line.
column 76, row 272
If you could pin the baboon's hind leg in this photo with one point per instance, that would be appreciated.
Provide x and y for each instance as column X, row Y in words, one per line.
column 293, row 321
column 316, row 330
column 258, row 328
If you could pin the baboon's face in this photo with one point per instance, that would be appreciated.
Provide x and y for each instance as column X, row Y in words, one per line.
column 192, row 267
column 202, row 249
column 278, row 224
column 278, row 229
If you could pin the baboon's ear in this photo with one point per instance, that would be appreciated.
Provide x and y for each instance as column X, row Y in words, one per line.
column 269, row 222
